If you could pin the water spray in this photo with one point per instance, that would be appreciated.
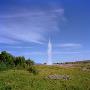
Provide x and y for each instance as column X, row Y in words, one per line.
column 49, row 62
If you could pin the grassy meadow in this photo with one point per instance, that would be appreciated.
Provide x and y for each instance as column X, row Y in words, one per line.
column 24, row 80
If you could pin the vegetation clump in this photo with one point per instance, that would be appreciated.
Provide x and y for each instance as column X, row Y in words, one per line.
column 33, row 70
column 8, row 61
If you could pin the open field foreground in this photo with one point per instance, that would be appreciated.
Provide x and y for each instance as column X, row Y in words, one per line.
column 23, row 80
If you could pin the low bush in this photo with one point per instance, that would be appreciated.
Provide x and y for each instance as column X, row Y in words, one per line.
column 3, row 67
column 33, row 70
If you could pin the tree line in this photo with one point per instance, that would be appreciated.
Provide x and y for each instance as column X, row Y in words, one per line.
column 8, row 60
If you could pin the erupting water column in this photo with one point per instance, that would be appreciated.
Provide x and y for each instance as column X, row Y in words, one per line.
column 49, row 62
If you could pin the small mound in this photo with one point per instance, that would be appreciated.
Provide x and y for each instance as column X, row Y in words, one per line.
column 56, row 77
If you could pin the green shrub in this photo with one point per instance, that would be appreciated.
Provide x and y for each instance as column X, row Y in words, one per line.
column 3, row 66
column 33, row 70
column 29, row 62
column 6, row 88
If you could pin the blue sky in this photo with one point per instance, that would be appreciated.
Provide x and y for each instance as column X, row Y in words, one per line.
column 27, row 25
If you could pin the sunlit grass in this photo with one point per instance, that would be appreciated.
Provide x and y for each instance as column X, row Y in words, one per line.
column 23, row 80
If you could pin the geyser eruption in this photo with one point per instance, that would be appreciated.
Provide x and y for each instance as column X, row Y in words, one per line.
column 49, row 62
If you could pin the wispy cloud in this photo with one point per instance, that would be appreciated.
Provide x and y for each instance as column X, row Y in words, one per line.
column 54, row 53
column 17, row 47
column 29, row 26
column 37, row 12
column 70, row 45
column 67, row 52
column 4, row 40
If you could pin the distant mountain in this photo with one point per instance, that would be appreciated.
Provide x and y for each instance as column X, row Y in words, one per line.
column 76, row 62
column 84, row 61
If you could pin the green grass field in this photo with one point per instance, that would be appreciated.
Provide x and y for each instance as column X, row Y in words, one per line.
column 23, row 80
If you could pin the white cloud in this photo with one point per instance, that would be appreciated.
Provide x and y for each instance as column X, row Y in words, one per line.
column 28, row 13
column 67, row 52
column 30, row 26
column 69, row 45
